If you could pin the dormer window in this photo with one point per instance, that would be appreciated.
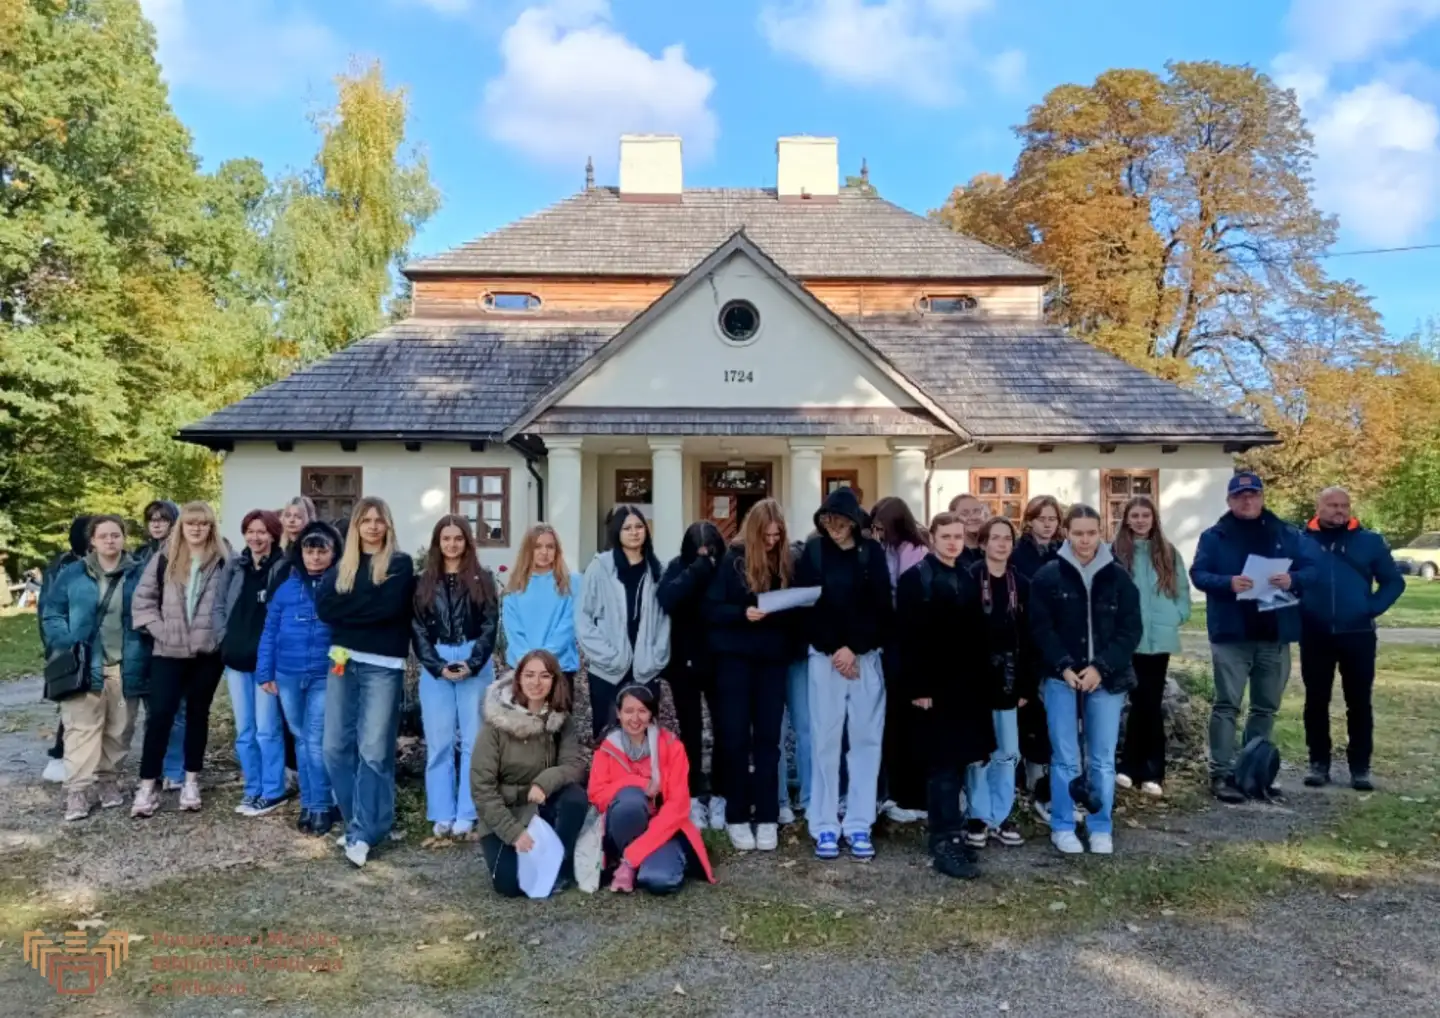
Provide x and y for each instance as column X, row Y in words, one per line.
column 947, row 304
column 510, row 302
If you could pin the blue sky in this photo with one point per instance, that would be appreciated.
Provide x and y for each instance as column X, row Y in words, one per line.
column 508, row 97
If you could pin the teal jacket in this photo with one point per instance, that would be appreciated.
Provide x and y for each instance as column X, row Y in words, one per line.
column 1163, row 615
column 70, row 617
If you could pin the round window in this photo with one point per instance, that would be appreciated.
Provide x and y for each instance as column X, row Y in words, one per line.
column 739, row 321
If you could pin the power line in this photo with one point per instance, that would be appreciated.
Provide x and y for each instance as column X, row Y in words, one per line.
column 1336, row 254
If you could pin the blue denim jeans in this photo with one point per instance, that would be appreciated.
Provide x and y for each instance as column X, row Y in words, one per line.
column 174, row 765
column 1102, row 732
column 259, row 743
column 446, row 707
column 362, row 719
column 627, row 818
column 304, row 701
column 990, row 787
column 797, row 709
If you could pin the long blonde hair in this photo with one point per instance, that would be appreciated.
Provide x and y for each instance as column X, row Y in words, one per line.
column 759, row 563
column 525, row 562
column 177, row 550
column 350, row 559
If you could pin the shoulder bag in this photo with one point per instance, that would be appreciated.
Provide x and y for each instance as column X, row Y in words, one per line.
column 67, row 672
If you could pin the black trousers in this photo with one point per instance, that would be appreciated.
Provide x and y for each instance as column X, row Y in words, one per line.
column 290, row 762
column 750, row 695
column 565, row 811
column 903, row 762
column 172, row 679
column 602, row 701
column 1143, row 756
column 945, row 818
column 690, row 686
column 1034, row 732
column 1354, row 655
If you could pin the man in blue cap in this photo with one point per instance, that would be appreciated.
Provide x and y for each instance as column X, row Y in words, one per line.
column 1248, row 646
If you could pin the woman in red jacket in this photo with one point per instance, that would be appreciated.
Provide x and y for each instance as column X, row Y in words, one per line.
column 640, row 781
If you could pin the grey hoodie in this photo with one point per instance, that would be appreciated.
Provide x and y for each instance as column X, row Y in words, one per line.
column 1103, row 558
column 600, row 626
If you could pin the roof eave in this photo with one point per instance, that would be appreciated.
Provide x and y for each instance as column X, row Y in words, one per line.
column 213, row 438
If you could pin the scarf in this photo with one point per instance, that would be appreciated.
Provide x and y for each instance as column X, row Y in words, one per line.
column 987, row 597
column 649, row 747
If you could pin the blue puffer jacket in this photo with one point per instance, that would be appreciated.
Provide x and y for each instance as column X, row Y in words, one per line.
column 70, row 605
column 1348, row 562
column 1221, row 555
column 295, row 643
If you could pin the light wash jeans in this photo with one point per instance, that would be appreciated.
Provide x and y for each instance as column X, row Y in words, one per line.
column 446, row 706
column 362, row 720
column 797, row 709
column 259, row 741
column 1102, row 732
column 990, row 787
column 304, row 701
column 838, row 705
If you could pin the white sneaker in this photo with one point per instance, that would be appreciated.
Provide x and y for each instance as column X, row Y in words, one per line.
column 341, row 840
column 1123, row 781
column 1152, row 788
column 1102, row 844
column 441, row 830
column 190, row 794
column 741, row 836
column 717, row 812
column 1067, row 843
column 767, row 837
column 462, row 828
column 54, row 770
column 699, row 815
column 357, row 853
column 787, row 814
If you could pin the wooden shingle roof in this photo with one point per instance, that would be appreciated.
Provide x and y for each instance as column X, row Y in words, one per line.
column 859, row 236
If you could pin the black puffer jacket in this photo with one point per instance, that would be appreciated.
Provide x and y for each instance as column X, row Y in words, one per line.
column 455, row 618
column 1030, row 555
column 1074, row 625
column 681, row 594
column 856, row 607
column 731, row 633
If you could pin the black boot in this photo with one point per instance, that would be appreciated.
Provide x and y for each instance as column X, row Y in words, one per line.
column 1360, row 780
column 1226, row 791
column 305, row 824
column 1318, row 776
column 954, row 859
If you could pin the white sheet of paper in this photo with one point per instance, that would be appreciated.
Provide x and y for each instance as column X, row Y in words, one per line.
column 1260, row 570
column 539, row 867
column 784, row 600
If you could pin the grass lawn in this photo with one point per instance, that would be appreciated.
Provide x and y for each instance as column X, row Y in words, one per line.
column 1418, row 608
column 19, row 645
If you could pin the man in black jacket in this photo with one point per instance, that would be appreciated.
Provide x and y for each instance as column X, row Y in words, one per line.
column 846, row 629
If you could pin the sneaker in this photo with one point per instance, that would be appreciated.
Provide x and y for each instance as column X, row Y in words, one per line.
column 145, row 803
column 860, row 846
column 462, row 828
column 170, row 786
column 717, row 813
column 827, row 846
column 1008, row 834
column 110, row 795
column 1067, row 842
column 787, row 814
column 975, row 833
column 1102, row 844
column 441, row 830
column 1318, row 776
column 1225, row 790
column 623, row 879
column 954, row 859
column 741, row 836
column 77, row 806
column 246, row 808
column 305, row 823
column 1361, row 782
column 767, row 837
column 1152, row 789
column 190, row 795
column 262, row 806
column 1042, row 810
column 357, row 852
column 1123, row 781
column 324, row 820
column 54, row 770
column 901, row 815
column 699, row 815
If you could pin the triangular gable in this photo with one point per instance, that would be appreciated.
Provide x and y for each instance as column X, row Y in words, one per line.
column 852, row 372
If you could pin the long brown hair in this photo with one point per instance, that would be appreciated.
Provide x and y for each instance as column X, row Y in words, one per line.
column 761, row 564
column 525, row 562
column 177, row 551
column 479, row 585
column 559, row 698
column 897, row 523
column 1162, row 552
column 350, row 557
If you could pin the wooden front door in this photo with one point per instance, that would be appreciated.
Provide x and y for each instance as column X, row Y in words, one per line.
column 727, row 493
column 833, row 480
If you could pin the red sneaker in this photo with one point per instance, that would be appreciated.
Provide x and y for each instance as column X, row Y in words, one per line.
column 624, row 879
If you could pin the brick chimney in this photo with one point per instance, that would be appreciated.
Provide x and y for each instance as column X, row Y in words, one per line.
column 809, row 169
column 650, row 168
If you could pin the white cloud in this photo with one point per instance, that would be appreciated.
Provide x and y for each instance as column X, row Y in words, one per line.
column 247, row 50
column 1377, row 143
column 1007, row 71
column 571, row 84
column 912, row 47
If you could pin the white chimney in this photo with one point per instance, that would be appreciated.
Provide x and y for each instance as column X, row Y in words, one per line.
column 650, row 167
column 809, row 169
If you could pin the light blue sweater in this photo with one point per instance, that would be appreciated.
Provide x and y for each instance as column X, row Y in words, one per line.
column 540, row 619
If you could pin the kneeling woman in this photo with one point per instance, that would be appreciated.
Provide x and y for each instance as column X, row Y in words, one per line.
column 640, row 781
column 527, row 761
column 1085, row 621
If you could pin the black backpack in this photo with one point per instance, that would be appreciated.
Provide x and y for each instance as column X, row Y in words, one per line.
column 1256, row 768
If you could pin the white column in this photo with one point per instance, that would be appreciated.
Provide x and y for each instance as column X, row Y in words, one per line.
column 907, row 463
column 804, row 488
column 563, row 495
column 668, row 478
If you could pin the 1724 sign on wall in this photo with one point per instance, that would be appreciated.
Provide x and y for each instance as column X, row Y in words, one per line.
column 737, row 377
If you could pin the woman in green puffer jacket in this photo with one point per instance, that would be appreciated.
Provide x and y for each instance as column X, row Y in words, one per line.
column 1159, row 572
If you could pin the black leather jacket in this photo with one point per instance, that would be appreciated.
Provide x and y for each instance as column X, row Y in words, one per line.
column 455, row 619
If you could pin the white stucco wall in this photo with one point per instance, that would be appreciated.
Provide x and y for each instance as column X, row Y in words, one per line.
column 681, row 360
column 415, row 484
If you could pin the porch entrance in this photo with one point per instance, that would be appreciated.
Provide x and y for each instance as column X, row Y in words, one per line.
column 727, row 492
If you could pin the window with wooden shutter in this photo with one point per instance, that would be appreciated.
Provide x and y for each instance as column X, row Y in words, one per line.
column 483, row 498
column 1003, row 491
column 334, row 490
column 1119, row 487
